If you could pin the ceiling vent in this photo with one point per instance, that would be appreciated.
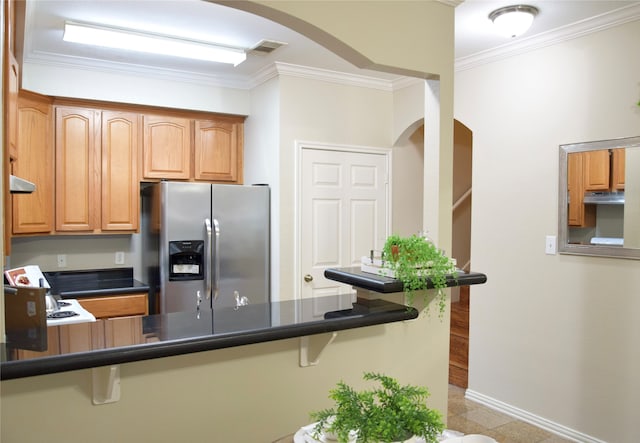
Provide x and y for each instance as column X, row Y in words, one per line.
column 265, row 47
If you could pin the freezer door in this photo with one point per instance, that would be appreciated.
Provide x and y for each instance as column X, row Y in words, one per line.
column 241, row 265
column 184, row 260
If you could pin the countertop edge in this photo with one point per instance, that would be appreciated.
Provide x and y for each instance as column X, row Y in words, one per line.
column 128, row 354
column 356, row 277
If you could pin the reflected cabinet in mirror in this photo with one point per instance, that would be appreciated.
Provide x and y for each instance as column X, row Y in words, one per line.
column 599, row 201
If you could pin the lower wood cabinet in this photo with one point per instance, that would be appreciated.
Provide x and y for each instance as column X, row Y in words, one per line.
column 123, row 331
column 89, row 336
column 116, row 305
column 79, row 337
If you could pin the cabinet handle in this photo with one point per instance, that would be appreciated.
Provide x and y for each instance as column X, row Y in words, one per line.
column 308, row 278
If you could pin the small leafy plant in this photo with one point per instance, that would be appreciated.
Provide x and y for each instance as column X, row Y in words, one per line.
column 415, row 261
column 388, row 413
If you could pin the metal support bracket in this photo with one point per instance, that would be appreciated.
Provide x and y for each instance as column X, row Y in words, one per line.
column 311, row 347
column 106, row 384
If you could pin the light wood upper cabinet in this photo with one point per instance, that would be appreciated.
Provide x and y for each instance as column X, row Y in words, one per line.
column 77, row 169
column 218, row 150
column 596, row 170
column 617, row 169
column 11, row 105
column 34, row 213
column 97, row 187
column 166, row 147
column 579, row 214
column 120, row 185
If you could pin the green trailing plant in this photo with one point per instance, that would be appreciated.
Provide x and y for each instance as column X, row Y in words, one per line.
column 388, row 413
column 415, row 261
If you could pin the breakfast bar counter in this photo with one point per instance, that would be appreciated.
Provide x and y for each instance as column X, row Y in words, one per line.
column 354, row 276
column 121, row 340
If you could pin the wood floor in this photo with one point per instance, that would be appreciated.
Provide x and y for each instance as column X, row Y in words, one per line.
column 459, row 340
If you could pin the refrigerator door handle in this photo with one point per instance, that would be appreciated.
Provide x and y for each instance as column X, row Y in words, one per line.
column 207, row 226
column 216, row 259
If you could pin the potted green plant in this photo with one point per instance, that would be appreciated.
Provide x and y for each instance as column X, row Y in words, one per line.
column 415, row 261
column 387, row 413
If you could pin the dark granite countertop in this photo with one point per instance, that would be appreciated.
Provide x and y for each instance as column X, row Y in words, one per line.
column 157, row 336
column 90, row 283
column 354, row 276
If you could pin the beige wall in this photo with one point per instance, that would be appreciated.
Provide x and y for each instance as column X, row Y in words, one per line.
column 554, row 335
column 311, row 112
column 259, row 393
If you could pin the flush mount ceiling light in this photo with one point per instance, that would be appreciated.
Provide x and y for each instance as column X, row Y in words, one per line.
column 512, row 21
column 151, row 43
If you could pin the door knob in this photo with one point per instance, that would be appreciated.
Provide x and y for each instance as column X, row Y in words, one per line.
column 308, row 278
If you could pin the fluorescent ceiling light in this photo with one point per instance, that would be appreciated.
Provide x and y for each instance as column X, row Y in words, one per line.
column 151, row 43
column 512, row 21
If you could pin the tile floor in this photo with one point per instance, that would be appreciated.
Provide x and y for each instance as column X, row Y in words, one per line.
column 469, row 417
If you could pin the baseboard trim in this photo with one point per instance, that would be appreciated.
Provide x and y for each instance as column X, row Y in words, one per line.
column 520, row 414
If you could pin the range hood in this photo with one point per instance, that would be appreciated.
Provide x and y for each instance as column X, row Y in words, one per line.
column 604, row 198
column 19, row 185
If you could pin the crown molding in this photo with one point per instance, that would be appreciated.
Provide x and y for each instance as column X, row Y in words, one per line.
column 326, row 75
column 453, row 3
column 118, row 68
column 234, row 82
column 581, row 28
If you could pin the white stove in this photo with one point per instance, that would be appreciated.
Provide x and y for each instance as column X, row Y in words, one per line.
column 68, row 306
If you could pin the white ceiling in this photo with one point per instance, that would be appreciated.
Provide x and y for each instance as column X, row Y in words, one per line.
column 200, row 20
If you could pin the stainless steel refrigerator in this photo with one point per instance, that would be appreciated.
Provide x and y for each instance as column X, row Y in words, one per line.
column 206, row 246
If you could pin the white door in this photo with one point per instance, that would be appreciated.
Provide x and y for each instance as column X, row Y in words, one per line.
column 343, row 214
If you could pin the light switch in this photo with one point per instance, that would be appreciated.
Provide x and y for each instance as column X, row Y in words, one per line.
column 550, row 245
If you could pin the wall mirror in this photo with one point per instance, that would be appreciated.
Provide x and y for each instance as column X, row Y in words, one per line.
column 599, row 201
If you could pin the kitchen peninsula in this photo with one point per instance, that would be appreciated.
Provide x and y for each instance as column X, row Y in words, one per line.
column 157, row 336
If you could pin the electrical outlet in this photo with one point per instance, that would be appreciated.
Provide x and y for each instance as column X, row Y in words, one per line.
column 550, row 245
column 62, row 260
column 119, row 258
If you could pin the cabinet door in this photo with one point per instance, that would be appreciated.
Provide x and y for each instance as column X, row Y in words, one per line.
column 125, row 331
column 218, row 150
column 579, row 214
column 120, row 185
column 167, row 147
column 77, row 169
column 33, row 213
column 11, row 105
column 79, row 337
column 116, row 305
column 596, row 170
column 617, row 169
